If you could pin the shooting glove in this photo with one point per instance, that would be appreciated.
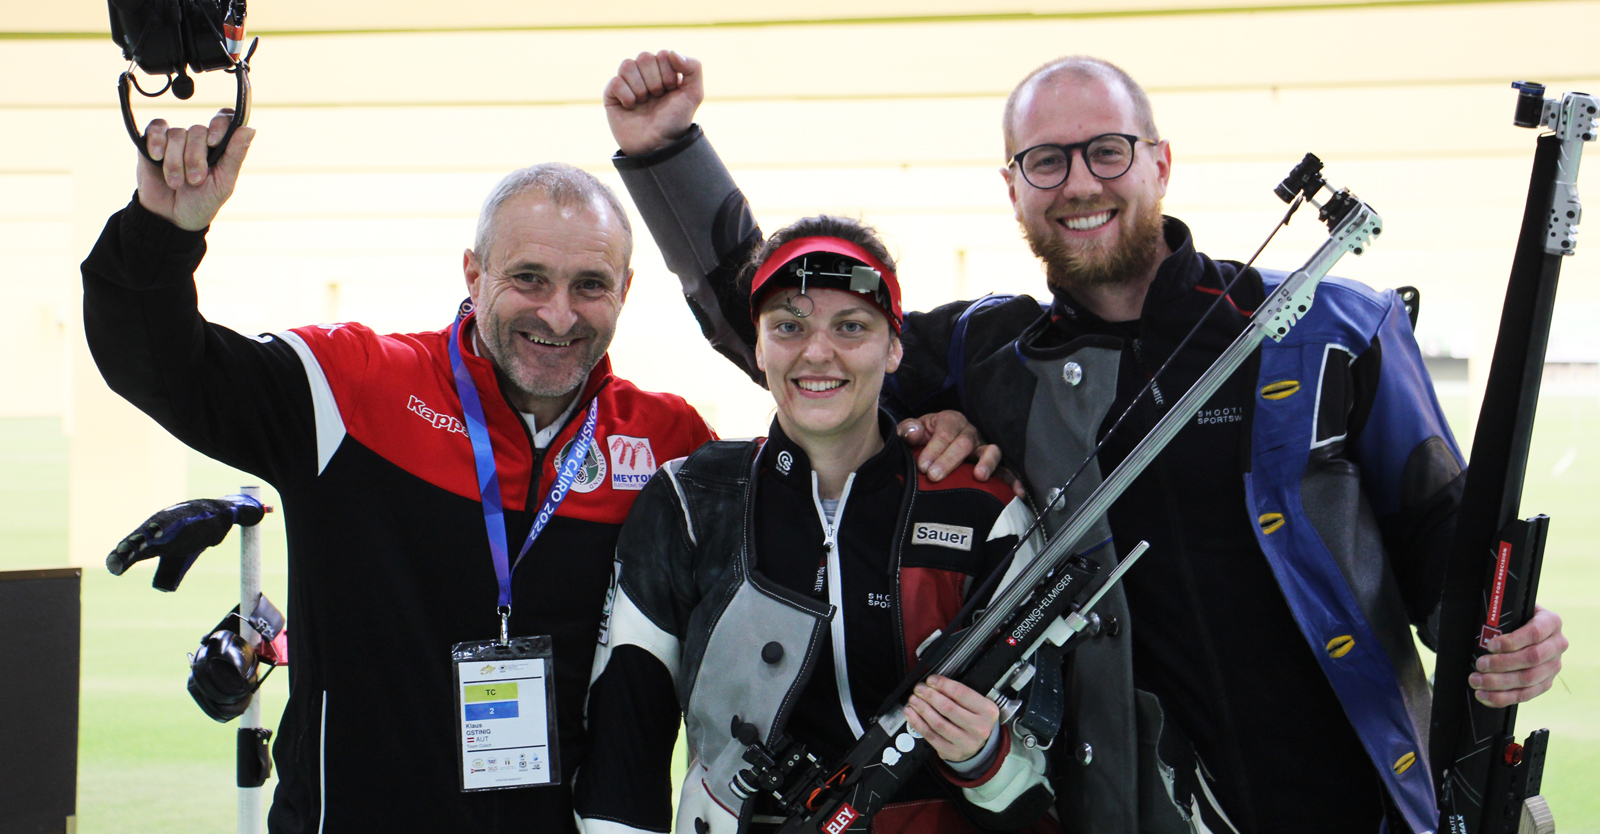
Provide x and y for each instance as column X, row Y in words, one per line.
column 176, row 535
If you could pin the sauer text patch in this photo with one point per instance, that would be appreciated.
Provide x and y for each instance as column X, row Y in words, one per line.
column 943, row 535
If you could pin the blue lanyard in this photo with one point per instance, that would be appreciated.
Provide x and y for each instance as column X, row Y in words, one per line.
column 489, row 480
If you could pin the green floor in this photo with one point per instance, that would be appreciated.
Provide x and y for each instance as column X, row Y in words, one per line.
column 150, row 761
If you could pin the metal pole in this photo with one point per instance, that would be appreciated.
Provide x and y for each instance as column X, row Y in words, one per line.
column 251, row 819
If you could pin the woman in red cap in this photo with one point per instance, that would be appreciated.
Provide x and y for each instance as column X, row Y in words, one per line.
column 776, row 592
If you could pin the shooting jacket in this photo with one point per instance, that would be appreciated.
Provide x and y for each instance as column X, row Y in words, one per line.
column 692, row 621
column 1353, row 531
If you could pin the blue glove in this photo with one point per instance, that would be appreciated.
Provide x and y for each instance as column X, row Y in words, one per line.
column 176, row 535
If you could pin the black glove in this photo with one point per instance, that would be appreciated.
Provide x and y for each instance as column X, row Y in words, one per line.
column 177, row 534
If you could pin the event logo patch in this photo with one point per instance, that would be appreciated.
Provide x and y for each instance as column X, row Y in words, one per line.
column 593, row 471
column 632, row 461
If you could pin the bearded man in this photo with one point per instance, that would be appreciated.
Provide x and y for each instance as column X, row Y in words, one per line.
column 425, row 495
column 1256, row 672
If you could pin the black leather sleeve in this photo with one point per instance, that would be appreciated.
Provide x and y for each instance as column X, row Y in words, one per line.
column 703, row 225
column 633, row 708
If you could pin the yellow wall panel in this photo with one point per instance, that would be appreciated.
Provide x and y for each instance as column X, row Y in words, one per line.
column 376, row 149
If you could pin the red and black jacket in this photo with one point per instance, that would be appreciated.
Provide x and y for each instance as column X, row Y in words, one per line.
column 389, row 564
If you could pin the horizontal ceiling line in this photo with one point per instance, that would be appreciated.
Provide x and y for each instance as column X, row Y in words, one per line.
column 747, row 169
column 1157, row 90
column 979, row 17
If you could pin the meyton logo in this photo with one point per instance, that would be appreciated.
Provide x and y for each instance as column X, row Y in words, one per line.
column 593, row 471
column 785, row 462
column 439, row 421
column 632, row 461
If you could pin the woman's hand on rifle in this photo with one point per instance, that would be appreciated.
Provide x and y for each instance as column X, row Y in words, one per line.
column 952, row 716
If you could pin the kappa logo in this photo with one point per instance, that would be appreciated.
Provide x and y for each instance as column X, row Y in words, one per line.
column 632, row 461
column 439, row 421
column 593, row 471
column 785, row 462
column 943, row 535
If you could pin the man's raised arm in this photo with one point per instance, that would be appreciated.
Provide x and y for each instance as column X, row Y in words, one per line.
column 242, row 400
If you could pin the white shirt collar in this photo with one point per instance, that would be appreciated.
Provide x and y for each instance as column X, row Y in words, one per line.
column 543, row 437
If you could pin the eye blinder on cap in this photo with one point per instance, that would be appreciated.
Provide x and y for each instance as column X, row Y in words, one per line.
column 832, row 263
column 864, row 278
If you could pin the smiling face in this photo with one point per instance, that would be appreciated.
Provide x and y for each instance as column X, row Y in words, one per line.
column 548, row 297
column 825, row 369
column 1088, row 231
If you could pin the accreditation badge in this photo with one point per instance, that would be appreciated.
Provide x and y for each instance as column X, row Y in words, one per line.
column 505, row 714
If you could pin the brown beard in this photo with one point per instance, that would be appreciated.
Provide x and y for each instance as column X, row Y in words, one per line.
column 1067, row 269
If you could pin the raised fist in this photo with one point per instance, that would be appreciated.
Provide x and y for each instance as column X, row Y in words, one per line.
column 652, row 100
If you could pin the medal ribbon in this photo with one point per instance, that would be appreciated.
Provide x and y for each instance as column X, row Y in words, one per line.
column 488, row 476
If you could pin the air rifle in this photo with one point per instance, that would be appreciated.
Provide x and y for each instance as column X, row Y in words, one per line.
column 1487, row 782
column 1039, row 610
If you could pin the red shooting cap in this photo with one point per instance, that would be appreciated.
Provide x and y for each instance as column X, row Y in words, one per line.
column 833, row 263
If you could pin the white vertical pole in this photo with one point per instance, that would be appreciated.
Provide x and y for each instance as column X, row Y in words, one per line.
column 250, row 811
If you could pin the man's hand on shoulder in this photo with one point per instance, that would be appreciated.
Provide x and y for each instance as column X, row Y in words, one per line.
column 180, row 187
column 651, row 101
column 1523, row 664
column 946, row 439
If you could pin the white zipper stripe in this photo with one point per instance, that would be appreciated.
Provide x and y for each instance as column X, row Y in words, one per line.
column 841, row 670
column 322, row 766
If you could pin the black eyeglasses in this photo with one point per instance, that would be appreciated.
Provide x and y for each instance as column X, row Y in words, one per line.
column 1109, row 155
